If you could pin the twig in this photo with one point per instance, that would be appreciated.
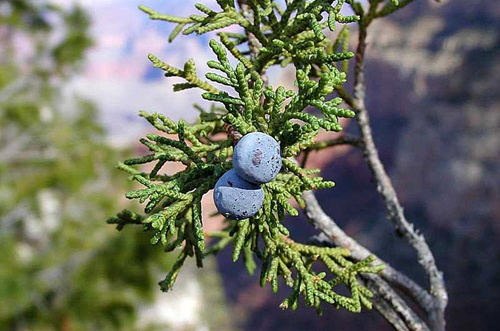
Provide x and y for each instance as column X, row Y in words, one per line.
column 345, row 96
column 253, row 43
column 342, row 140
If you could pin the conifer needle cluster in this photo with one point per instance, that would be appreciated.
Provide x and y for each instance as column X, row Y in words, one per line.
column 300, row 35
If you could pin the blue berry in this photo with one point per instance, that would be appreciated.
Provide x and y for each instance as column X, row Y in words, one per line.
column 257, row 158
column 235, row 198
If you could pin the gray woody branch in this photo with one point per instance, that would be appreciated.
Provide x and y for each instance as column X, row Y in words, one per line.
column 387, row 301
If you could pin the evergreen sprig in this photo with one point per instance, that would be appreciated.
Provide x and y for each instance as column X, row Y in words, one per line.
column 296, row 35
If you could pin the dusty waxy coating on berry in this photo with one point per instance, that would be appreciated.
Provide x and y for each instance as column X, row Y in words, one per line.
column 257, row 158
column 235, row 198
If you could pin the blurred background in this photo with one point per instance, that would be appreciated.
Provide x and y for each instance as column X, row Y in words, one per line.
column 73, row 76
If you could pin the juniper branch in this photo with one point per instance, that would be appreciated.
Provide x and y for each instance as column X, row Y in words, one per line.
column 294, row 35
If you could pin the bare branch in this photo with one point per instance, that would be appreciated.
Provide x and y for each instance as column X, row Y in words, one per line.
column 253, row 42
column 386, row 190
column 390, row 304
column 390, row 315
column 385, row 294
column 396, row 215
column 334, row 234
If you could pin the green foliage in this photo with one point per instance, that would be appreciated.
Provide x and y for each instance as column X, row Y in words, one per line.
column 296, row 35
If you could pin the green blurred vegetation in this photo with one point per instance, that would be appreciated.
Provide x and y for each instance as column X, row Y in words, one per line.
column 62, row 267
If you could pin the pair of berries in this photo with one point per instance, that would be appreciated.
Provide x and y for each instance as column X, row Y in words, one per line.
column 256, row 160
